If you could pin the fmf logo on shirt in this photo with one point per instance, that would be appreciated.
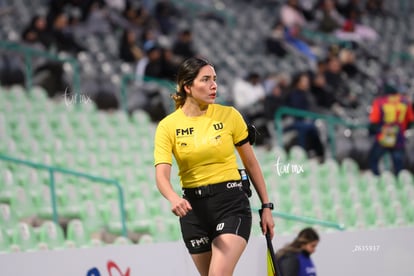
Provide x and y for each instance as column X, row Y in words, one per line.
column 184, row 131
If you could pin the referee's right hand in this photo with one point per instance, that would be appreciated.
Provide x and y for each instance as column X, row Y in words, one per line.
column 180, row 206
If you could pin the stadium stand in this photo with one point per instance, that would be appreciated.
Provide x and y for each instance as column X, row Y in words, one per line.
column 118, row 145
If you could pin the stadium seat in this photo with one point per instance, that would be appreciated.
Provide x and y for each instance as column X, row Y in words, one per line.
column 77, row 234
column 8, row 219
column 112, row 217
column 122, row 241
column 405, row 178
column 349, row 166
column 138, row 216
column 43, row 204
column 51, row 236
column 23, row 238
column 92, row 217
column 71, row 201
column 6, row 186
column 297, row 155
column 165, row 229
column 145, row 239
column 22, row 204
column 4, row 241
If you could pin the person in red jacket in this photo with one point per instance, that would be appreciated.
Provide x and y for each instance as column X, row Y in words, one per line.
column 391, row 114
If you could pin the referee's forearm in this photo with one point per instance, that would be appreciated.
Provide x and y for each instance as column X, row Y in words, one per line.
column 256, row 176
column 166, row 189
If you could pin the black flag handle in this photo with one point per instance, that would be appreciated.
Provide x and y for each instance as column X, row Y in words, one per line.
column 270, row 248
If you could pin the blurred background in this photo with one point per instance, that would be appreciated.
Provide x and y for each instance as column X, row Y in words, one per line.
column 84, row 84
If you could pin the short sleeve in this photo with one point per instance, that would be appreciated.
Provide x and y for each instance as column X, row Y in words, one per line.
column 240, row 132
column 163, row 145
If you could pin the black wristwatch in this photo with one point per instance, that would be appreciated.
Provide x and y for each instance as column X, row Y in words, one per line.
column 268, row 205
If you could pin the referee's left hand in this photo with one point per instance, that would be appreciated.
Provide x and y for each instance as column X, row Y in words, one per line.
column 267, row 223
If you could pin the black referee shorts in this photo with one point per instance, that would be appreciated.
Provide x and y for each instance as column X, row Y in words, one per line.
column 216, row 209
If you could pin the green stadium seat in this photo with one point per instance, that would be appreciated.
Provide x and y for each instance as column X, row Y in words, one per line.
column 146, row 239
column 77, row 234
column 297, row 155
column 112, row 217
column 92, row 217
column 138, row 215
column 329, row 168
column 7, row 186
column 350, row 218
column 121, row 240
column 22, row 204
column 405, row 179
column 23, row 238
column 409, row 216
column 43, row 203
column 71, row 201
column 387, row 178
column 8, row 218
column 4, row 241
column 51, row 236
column 349, row 166
column 165, row 229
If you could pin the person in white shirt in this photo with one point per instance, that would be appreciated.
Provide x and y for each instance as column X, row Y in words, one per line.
column 248, row 95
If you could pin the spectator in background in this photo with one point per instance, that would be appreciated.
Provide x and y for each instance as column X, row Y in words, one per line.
column 391, row 114
column 351, row 8
column 328, row 18
column 48, row 73
column 276, row 87
column 294, row 39
column 299, row 97
column 336, row 81
column 97, row 20
column 275, row 42
column 37, row 32
column 165, row 13
column 375, row 7
column 248, row 94
column 291, row 14
column 322, row 93
column 156, row 63
column 128, row 48
column 117, row 5
column 183, row 45
column 347, row 59
column 293, row 20
column 149, row 36
column 64, row 39
column 150, row 64
column 295, row 258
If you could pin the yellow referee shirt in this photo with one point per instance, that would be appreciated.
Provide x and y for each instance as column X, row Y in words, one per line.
column 203, row 146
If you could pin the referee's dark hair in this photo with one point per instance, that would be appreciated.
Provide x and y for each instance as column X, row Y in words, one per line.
column 187, row 72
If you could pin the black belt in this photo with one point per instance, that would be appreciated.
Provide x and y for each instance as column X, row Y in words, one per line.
column 212, row 189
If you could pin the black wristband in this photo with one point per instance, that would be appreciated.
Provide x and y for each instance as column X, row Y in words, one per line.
column 268, row 205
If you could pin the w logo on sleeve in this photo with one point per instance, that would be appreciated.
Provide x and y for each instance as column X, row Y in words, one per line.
column 218, row 126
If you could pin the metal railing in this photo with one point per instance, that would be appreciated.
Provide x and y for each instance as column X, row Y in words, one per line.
column 52, row 185
column 195, row 9
column 307, row 220
column 331, row 122
column 28, row 54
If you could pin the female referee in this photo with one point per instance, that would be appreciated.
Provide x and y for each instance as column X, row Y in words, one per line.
column 214, row 211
